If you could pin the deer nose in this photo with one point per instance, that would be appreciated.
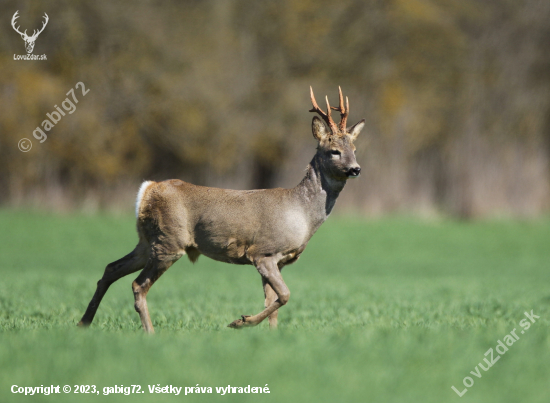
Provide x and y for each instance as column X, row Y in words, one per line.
column 355, row 171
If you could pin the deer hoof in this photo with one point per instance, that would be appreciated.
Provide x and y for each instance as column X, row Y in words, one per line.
column 240, row 323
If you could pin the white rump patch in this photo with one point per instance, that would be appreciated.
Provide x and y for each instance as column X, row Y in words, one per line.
column 141, row 191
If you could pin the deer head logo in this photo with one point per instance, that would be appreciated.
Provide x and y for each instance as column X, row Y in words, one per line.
column 29, row 40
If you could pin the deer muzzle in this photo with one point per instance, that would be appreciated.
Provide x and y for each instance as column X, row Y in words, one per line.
column 353, row 172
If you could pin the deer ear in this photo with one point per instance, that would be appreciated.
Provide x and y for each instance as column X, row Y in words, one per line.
column 356, row 129
column 319, row 129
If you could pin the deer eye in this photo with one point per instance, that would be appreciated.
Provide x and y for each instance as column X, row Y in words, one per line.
column 335, row 152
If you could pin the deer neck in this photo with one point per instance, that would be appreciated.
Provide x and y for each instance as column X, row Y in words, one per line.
column 318, row 191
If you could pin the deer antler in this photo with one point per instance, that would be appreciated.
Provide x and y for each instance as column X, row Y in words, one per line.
column 24, row 34
column 15, row 16
column 344, row 111
column 35, row 34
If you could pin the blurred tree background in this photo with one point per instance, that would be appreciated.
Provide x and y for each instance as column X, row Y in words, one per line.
column 456, row 95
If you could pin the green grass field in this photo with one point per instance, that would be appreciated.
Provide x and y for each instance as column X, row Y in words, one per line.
column 388, row 310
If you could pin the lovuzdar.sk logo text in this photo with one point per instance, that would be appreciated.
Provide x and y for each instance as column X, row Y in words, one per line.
column 29, row 40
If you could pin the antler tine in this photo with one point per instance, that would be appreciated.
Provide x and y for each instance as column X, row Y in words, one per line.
column 314, row 102
column 344, row 114
column 326, row 116
column 344, row 111
column 15, row 17
column 45, row 22
column 340, row 99
column 34, row 35
column 328, row 107
column 340, row 108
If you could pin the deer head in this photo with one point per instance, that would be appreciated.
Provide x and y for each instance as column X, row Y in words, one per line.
column 336, row 151
column 29, row 40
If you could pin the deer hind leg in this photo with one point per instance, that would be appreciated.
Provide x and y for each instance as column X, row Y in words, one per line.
column 154, row 268
column 268, row 269
column 270, row 297
column 130, row 263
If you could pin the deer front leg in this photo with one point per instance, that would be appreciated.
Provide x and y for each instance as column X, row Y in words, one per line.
column 271, row 275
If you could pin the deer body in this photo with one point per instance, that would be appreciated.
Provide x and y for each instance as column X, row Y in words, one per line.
column 267, row 228
column 235, row 226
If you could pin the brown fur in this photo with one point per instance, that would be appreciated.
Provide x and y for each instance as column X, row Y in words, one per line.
column 266, row 228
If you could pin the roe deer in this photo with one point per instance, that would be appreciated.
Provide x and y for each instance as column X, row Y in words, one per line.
column 267, row 228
